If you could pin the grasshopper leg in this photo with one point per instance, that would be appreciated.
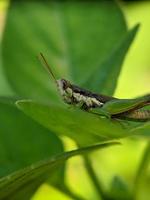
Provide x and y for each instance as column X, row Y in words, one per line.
column 101, row 112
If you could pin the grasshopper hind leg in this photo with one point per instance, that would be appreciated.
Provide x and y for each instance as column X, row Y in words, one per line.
column 139, row 115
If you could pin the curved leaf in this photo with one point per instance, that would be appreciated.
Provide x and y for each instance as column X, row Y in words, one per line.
column 23, row 141
column 38, row 172
column 104, row 78
column 85, row 128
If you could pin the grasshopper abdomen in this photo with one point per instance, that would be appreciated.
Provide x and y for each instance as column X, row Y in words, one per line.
column 136, row 115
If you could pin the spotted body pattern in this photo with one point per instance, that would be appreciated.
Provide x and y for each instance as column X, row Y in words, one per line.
column 82, row 98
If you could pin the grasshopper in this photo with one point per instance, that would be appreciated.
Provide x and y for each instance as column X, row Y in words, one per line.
column 99, row 104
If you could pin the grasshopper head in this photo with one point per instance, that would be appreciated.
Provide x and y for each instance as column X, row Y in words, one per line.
column 65, row 90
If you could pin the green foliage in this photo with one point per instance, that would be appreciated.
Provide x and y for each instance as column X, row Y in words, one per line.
column 71, row 35
column 73, row 123
column 109, row 69
column 23, row 137
column 86, row 43
column 119, row 189
column 37, row 173
column 23, row 141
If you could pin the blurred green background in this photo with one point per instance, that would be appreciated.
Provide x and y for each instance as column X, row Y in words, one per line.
column 133, row 81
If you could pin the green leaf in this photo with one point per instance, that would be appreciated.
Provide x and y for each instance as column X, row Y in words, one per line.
column 85, row 128
column 119, row 189
column 23, row 141
column 76, row 36
column 104, row 78
column 11, row 184
column 141, row 129
column 5, row 88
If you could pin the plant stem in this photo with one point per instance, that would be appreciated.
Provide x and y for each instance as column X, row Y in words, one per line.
column 142, row 166
column 96, row 182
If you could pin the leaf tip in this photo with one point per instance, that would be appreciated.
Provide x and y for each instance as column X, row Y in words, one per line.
column 19, row 103
column 136, row 27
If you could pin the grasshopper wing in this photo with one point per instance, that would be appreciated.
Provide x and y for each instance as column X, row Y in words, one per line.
column 118, row 106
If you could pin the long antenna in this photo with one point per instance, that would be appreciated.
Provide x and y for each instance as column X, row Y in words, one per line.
column 46, row 66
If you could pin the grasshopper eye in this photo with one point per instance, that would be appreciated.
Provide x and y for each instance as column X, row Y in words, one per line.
column 65, row 84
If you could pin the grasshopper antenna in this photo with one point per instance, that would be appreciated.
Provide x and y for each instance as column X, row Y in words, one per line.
column 46, row 66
